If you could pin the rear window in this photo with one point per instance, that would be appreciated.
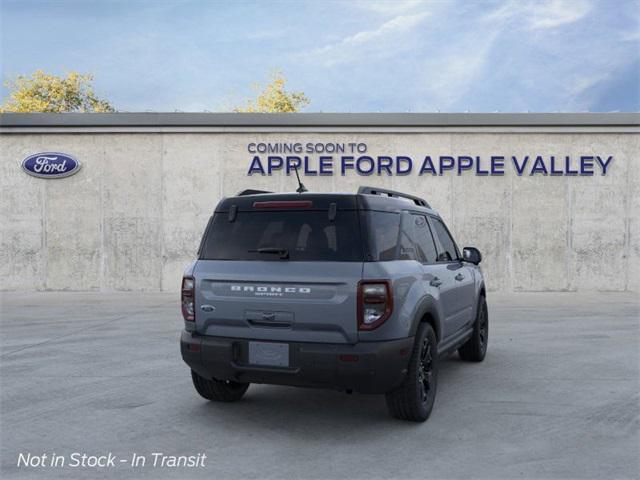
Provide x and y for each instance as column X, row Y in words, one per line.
column 304, row 235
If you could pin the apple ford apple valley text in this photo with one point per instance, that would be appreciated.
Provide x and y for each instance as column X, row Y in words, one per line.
column 347, row 158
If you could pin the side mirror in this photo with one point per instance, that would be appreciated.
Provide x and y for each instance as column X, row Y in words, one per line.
column 471, row 255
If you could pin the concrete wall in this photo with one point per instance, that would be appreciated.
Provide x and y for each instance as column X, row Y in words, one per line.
column 131, row 219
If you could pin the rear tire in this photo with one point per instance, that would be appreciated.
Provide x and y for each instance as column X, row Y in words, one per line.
column 475, row 349
column 218, row 390
column 413, row 399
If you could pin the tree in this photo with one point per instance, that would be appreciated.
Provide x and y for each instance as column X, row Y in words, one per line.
column 275, row 99
column 41, row 92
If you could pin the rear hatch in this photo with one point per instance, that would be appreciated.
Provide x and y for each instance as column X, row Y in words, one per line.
column 284, row 270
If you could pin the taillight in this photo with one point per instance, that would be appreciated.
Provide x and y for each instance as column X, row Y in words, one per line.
column 188, row 302
column 375, row 303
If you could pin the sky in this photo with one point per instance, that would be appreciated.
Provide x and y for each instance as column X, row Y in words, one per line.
column 346, row 56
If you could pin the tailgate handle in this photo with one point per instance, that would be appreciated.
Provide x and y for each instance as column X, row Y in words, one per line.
column 269, row 324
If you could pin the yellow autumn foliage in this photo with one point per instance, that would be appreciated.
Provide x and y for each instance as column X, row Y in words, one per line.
column 42, row 92
column 275, row 99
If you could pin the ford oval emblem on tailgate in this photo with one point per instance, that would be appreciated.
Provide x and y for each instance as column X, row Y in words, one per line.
column 50, row 165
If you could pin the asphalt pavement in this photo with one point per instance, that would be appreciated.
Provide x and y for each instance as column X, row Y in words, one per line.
column 97, row 373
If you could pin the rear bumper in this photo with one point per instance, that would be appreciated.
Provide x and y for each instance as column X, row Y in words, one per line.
column 371, row 367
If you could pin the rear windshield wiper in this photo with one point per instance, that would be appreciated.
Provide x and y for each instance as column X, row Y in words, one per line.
column 283, row 252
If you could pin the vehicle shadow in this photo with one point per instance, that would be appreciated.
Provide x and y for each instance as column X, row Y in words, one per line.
column 315, row 414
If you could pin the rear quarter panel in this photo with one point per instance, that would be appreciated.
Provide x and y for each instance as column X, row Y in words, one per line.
column 480, row 286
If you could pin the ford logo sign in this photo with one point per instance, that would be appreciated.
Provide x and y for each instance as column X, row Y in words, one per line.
column 50, row 165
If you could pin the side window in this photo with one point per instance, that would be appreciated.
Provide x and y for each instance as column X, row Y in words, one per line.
column 424, row 240
column 384, row 231
column 407, row 250
column 449, row 251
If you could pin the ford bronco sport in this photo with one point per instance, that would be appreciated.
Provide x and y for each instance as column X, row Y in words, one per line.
column 360, row 292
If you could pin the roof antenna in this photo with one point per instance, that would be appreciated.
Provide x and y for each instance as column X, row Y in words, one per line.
column 301, row 188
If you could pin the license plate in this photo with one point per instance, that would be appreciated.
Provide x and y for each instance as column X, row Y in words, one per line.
column 269, row 354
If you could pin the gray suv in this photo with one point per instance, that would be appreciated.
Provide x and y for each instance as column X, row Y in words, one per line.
column 359, row 292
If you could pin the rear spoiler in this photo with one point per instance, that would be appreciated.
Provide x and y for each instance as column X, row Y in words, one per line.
column 251, row 191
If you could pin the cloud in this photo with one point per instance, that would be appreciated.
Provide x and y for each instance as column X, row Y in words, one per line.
column 262, row 34
column 554, row 13
column 451, row 74
column 389, row 7
column 384, row 40
column 582, row 83
column 630, row 36
column 541, row 15
column 560, row 68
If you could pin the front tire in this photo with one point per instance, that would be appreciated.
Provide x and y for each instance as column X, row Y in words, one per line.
column 413, row 399
column 218, row 390
column 475, row 349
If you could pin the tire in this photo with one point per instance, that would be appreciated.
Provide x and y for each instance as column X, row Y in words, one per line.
column 475, row 349
column 413, row 399
column 218, row 390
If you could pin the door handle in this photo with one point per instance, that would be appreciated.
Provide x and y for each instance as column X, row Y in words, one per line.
column 459, row 277
column 436, row 282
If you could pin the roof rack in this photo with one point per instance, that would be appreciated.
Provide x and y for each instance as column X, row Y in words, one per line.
column 392, row 193
column 251, row 191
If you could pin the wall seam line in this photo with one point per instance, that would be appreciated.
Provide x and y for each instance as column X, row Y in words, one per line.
column 569, row 255
column 511, row 287
column 627, row 230
column 163, row 252
column 103, row 260
column 45, row 239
